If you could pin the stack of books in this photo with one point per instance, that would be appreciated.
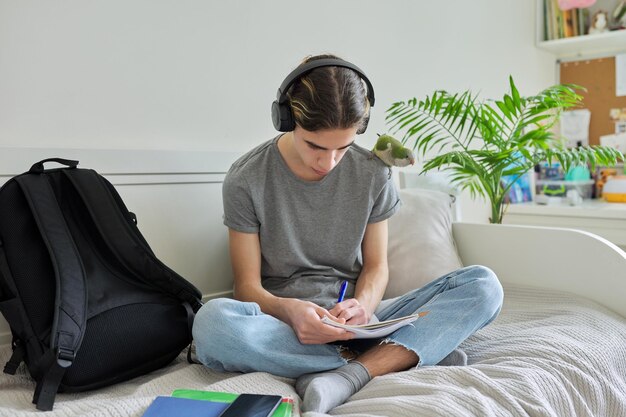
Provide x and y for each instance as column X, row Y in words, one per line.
column 564, row 23
column 195, row 403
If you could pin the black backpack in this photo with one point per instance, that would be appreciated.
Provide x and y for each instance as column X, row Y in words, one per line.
column 88, row 302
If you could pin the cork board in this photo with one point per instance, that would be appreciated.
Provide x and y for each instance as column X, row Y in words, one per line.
column 598, row 77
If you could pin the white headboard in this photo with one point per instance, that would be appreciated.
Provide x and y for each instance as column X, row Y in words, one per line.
column 176, row 195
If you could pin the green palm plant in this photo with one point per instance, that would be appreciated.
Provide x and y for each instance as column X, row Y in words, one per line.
column 482, row 142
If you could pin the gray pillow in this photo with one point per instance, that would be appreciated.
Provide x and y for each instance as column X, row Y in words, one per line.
column 421, row 247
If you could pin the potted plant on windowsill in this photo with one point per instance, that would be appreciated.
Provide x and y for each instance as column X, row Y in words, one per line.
column 482, row 142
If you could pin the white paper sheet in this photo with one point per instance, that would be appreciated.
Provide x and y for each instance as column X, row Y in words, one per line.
column 575, row 127
column 377, row 328
column 620, row 75
column 615, row 141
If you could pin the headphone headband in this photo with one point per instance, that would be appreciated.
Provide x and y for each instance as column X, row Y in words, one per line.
column 294, row 75
column 282, row 116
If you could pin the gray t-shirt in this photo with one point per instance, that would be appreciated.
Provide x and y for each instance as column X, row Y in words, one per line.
column 310, row 231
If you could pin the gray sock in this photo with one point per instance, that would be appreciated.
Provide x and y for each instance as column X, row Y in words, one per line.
column 455, row 358
column 324, row 391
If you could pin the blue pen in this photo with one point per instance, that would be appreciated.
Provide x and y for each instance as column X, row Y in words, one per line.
column 342, row 291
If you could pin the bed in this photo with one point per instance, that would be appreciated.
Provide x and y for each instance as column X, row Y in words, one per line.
column 558, row 347
column 549, row 353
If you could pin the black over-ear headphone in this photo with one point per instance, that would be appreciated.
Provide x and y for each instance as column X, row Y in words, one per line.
column 282, row 115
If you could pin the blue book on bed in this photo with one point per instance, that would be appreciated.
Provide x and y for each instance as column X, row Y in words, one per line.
column 184, row 407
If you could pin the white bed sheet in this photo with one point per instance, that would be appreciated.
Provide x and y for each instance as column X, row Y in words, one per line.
column 547, row 354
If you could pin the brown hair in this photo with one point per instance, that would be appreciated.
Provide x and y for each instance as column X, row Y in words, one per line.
column 329, row 98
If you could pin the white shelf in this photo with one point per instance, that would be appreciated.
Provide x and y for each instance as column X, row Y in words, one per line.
column 596, row 216
column 607, row 43
column 585, row 46
column 589, row 208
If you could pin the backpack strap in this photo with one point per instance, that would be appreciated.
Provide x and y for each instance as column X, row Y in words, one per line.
column 13, row 310
column 190, row 317
column 70, row 314
column 38, row 167
column 16, row 357
column 124, row 239
column 7, row 289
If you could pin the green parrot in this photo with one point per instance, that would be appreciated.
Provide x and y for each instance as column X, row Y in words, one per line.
column 392, row 152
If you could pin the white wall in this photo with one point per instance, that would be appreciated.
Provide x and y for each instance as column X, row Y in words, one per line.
column 201, row 74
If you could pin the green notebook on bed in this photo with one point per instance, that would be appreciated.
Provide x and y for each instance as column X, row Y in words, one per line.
column 284, row 409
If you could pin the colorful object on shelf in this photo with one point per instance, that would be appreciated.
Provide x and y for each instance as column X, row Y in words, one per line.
column 603, row 175
column 520, row 188
column 578, row 173
column 599, row 22
column 575, row 4
column 552, row 171
column 556, row 188
column 614, row 191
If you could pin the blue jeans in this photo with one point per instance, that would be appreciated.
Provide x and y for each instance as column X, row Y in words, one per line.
column 236, row 336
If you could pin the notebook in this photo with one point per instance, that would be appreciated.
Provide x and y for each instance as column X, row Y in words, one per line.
column 284, row 409
column 376, row 328
column 184, row 407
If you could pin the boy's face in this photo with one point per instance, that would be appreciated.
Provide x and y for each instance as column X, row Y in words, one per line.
column 321, row 151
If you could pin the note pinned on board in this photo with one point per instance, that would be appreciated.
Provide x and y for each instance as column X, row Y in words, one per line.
column 620, row 75
column 575, row 127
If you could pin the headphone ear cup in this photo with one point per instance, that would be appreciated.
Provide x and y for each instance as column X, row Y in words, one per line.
column 282, row 117
column 363, row 128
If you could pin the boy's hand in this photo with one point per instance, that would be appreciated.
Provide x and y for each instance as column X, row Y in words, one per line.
column 351, row 311
column 305, row 319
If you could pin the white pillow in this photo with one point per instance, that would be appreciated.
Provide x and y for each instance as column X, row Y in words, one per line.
column 421, row 247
